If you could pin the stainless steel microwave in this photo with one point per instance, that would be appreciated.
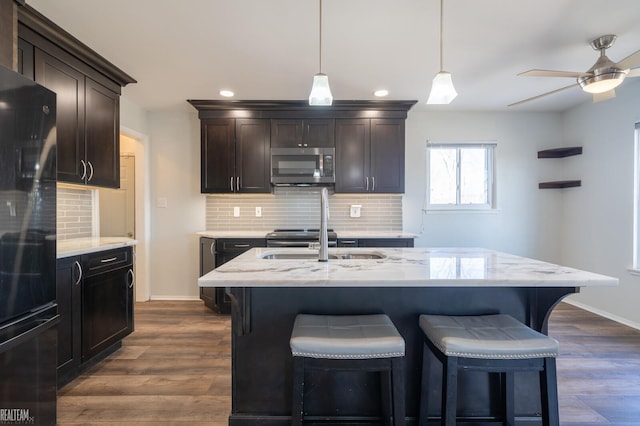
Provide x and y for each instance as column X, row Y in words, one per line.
column 303, row 166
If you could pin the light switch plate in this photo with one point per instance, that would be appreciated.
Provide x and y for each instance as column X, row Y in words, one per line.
column 161, row 202
column 258, row 211
column 354, row 211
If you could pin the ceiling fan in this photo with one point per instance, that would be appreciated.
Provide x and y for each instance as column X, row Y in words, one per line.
column 601, row 79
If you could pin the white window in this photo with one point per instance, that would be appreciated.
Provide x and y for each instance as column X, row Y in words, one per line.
column 461, row 175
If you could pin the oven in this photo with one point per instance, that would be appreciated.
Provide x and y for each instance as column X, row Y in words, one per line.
column 298, row 238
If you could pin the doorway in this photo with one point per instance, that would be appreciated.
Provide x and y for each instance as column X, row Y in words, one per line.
column 117, row 206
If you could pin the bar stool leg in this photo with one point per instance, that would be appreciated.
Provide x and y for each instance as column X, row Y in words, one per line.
column 297, row 405
column 549, row 393
column 397, row 378
column 427, row 369
column 508, row 390
column 385, row 396
column 449, row 391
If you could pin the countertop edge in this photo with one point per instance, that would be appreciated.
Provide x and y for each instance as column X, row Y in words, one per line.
column 80, row 246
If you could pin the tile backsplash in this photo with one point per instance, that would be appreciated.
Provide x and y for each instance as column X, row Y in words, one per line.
column 74, row 212
column 292, row 207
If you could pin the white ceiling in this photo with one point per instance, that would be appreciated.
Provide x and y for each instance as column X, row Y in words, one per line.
column 268, row 49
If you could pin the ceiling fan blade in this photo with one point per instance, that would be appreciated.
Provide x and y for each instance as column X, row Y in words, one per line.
column 599, row 97
column 631, row 61
column 634, row 73
column 540, row 96
column 551, row 73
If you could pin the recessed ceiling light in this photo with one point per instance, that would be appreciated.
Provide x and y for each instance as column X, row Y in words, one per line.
column 380, row 93
column 226, row 93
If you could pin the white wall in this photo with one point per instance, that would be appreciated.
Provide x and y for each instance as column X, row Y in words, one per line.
column 527, row 221
column 598, row 217
column 175, row 176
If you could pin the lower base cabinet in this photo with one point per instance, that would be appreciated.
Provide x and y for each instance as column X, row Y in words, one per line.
column 215, row 252
column 95, row 302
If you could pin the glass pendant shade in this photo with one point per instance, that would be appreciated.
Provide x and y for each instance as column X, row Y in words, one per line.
column 442, row 90
column 320, row 91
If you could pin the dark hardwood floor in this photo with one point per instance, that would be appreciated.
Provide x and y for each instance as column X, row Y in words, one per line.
column 175, row 370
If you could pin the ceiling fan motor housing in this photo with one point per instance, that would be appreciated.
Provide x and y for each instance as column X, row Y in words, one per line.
column 604, row 75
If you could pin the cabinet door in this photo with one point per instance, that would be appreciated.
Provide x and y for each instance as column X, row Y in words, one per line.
column 68, row 84
column 286, row 133
column 387, row 156
column 25, row 59
column 68, row 298
column 218, row 156
column 207, row 264
column 252, row 156
column 319, row 133
column 352, row 155
column 297, row 133
column 107, row 310
column 102, row 124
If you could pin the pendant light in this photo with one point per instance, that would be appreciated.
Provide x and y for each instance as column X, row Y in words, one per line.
column 320, row 91
column 442, row 90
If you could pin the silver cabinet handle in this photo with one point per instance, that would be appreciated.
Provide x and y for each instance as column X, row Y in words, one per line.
column 237, row 183
column 130, row 272
column 231, row 183
column 367, row 188
column 91, row 171
column 242, row 245
column 212, row 248
column 77, row 265
column 84, row 170
column 111, row 259
column 373, row 180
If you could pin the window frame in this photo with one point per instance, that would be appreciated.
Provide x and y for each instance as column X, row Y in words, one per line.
column 636, row 200
column 490, row 168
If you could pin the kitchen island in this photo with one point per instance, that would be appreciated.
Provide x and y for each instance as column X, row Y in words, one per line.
column 269, row 287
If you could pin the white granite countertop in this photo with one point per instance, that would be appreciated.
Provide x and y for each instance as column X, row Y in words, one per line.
column 341, row 234
column 78, row 246
column 405, row 267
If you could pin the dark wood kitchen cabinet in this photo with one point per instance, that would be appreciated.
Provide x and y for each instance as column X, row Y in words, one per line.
column 309, row 133
column 370, row 155
column 94, row 293
column 88, row 91
column 375, row 242
column 216, row 252
column 68, row 298
column 235, row 155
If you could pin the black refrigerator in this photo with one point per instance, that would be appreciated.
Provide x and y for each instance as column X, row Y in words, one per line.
column 28, row 312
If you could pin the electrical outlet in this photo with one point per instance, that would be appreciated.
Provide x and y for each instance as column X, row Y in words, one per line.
column 354, row 211
column 236, row 212
column 258, row 211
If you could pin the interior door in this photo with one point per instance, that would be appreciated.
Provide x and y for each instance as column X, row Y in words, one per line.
column 117, row 206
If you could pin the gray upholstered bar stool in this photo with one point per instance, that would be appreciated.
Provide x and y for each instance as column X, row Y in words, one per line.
column 492, row 343
column 349, row 343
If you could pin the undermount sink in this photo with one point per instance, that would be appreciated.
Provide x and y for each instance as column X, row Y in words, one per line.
column 285, row 255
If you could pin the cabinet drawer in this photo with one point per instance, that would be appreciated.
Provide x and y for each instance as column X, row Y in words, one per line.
column 239, row 245
column 105, row 261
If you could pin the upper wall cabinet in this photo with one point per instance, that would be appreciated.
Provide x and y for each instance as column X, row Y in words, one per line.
column 310, row 133
column 87, row 90
column 368, row 137
column 370, row 155
column 235, row 155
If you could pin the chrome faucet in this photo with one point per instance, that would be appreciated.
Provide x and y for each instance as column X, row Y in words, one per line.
column 323, row 253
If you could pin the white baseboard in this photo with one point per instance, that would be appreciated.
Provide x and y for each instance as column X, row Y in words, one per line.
column 604, row 314
column 175, row 298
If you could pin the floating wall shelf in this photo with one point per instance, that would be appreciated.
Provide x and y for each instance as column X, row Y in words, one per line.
column 560, row 184
column 560, row 153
